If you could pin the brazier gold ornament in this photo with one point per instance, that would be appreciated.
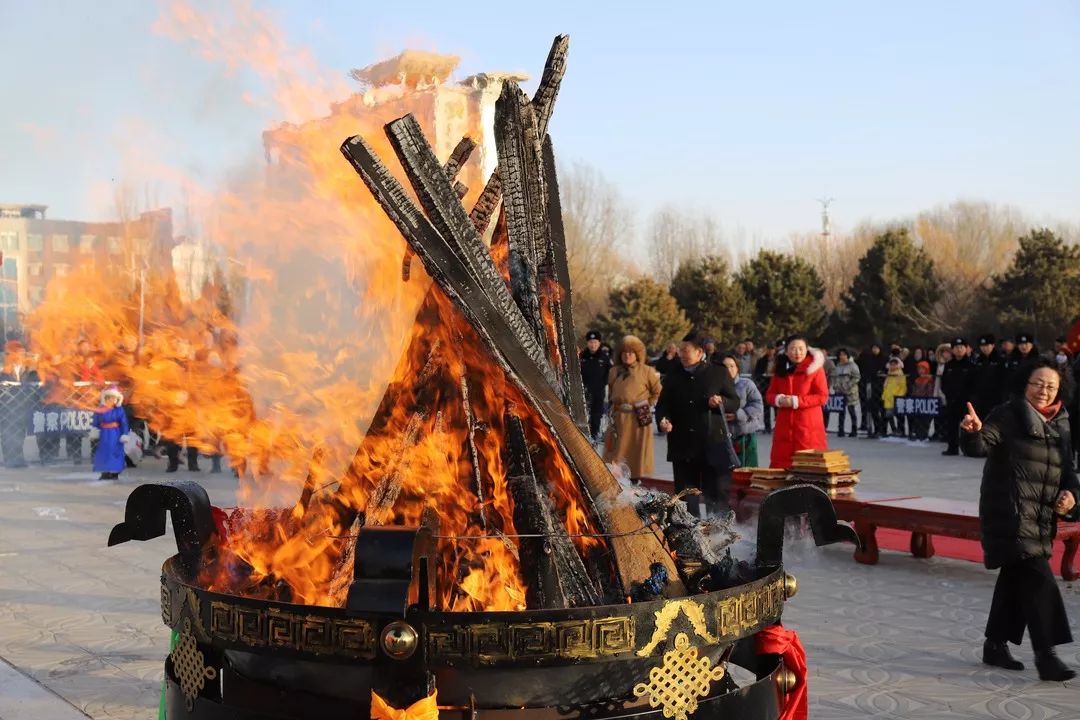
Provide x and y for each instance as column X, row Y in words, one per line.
column 190, row 666
column 680, row 680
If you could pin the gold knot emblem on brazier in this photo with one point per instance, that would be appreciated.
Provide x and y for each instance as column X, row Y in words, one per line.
column 678, row 682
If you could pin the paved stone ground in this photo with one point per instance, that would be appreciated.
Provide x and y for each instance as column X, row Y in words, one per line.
column 896, row 640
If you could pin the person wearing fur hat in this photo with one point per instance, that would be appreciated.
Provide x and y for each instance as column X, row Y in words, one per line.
column 633, row 389
column 111, row 421
column 798, row 391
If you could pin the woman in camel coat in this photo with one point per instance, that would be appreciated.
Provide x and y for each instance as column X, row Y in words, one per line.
column 633, row 388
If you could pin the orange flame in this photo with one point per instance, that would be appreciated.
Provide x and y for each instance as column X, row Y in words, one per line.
column 284, row 367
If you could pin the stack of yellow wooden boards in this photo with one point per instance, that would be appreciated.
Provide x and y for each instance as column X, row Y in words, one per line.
column 828, row 469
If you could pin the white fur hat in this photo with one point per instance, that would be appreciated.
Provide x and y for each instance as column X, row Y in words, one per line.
column 112, row 391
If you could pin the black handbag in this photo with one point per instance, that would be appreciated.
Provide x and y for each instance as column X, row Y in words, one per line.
column 722, row 455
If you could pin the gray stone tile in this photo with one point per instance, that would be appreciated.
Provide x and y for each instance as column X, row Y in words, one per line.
column 901, row 639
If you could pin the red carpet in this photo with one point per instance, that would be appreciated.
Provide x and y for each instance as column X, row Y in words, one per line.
column 900, row 540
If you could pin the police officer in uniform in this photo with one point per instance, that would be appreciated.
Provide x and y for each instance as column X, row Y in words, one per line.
column 1016, row 363
column 595, row 365
column 956, row 385
column 988, row 379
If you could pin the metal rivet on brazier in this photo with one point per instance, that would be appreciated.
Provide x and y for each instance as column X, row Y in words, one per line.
column 791, row 586
column 785, row 680
column 399, row 640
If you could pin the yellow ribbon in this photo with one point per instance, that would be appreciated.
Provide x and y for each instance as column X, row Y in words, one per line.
column 425, row 709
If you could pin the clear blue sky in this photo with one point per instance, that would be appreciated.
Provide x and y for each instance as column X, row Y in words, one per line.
column 747, row 110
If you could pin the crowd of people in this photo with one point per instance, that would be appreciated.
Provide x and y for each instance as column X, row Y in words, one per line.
column 626, row 389
column 97, row 380
column 711, row 404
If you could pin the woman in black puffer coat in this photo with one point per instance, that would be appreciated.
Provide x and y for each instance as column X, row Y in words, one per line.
column 1028, row 479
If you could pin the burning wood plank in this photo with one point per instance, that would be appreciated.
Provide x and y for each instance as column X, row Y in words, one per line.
column 474, row 455
column 634, row 548
column 450, row 228
column 573, row 389
column 386, row 492
column 555, row 575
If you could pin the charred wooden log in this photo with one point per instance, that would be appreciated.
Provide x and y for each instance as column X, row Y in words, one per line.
column 550, row 564
column 449, row 227
column 524, row 200
column 458, row 157
column 543, row 107
column 450, row 261
column 573, row 389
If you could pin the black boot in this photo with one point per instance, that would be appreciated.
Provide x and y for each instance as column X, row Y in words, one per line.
column 1050, row 666
column 997, row 654
column 193, row 460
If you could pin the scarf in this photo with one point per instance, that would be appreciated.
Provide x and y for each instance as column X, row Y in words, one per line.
column 1050, row 411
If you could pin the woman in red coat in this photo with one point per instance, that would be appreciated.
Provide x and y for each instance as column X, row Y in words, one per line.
column 798, row 391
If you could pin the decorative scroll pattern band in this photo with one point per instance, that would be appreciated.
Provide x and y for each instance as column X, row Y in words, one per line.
column 493, row 642
column 714, row 619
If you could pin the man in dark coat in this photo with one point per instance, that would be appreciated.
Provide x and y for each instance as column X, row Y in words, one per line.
column 668, row 360
column 871, row 362
column 956, row 385
column 595, row 365
column 1028, row 479
column 691, row 409
column 988, row 380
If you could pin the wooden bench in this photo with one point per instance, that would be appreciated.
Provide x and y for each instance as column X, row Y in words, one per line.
column 923, row 517
column 926, row 517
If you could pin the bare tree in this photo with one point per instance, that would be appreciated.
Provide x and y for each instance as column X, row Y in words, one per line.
column 969, row 242
column 599, row 237
column 676, row 236
column 836, row 258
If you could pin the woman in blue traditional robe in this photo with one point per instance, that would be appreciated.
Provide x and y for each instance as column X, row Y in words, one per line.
column 113, row 425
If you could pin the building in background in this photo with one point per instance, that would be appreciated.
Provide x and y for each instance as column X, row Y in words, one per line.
column 36, row 249
column 193, row 264
column 419, row 83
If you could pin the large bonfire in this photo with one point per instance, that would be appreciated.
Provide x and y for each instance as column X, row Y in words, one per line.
column 343, row 393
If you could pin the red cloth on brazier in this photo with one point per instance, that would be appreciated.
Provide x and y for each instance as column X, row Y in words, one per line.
column 778, row 640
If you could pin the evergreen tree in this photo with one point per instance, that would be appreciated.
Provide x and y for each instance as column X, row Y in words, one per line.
column 712, row 301
column 646, row 309
column 787, row 295
column 895, row 293
column 1040, row 291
